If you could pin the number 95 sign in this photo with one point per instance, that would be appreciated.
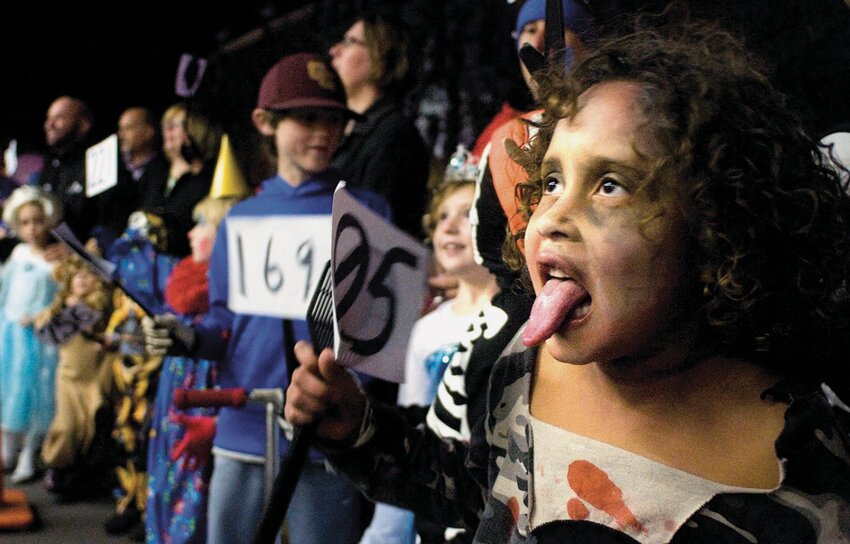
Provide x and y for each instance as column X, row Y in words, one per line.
column 275, row 263
column 379, row 277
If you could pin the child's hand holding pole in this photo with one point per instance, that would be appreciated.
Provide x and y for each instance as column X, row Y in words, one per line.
column 325, row 393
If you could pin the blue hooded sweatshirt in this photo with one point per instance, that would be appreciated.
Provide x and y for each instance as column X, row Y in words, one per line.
column 250, row 348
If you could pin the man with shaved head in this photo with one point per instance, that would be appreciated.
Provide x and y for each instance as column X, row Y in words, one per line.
column 68, row 120
column 138, row 138
column 67, row 131
column 143, row 170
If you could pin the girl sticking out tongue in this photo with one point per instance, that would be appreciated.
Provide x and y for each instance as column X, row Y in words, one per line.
column 689, row 250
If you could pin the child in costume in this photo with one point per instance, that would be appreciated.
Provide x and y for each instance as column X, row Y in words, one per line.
column 75, row 323
column 142, row 268
column 181, row 442
column 27, row 365
column 689, row 248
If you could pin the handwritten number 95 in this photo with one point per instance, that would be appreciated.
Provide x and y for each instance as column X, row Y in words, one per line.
column 357, row 261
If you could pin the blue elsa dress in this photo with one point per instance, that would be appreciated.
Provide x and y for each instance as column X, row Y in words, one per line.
column 27, row 365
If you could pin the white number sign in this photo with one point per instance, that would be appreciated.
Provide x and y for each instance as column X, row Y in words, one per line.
column 379, row 281
column 275, row 263
column 102, row 166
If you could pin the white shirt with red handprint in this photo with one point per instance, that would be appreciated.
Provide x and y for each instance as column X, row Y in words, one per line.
column 578, row 478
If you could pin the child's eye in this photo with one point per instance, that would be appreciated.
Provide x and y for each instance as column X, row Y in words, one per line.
column 611, row 187
column 552, row 185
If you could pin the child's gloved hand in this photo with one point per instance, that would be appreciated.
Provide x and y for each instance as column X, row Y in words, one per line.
column 196, row 445
column 165, row 334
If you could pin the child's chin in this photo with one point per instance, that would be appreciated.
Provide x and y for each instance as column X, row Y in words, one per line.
column 567, row 350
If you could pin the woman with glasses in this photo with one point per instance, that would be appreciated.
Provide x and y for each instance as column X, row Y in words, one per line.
column 382, row 149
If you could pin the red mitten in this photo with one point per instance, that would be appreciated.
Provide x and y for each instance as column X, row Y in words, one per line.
column 196, row 445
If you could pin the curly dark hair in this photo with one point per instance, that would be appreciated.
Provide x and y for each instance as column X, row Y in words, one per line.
column 768, row 222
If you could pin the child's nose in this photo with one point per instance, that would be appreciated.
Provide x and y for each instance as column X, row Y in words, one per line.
column 452, row 223
column 451, row 227
column 558, row 220
column 537, row 39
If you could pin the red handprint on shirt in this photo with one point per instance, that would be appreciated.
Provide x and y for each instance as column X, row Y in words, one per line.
column 594, row 486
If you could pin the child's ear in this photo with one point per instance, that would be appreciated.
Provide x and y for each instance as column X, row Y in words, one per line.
column 260, row 117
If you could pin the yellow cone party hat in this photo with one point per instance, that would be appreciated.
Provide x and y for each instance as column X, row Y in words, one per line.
column 227, row 178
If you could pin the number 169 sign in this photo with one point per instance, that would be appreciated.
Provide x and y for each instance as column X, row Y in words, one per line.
column 275, row 263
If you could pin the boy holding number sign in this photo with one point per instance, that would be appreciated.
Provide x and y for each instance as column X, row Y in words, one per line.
column 272, row 247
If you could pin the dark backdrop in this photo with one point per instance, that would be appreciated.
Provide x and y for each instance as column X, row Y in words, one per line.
column 125, row 55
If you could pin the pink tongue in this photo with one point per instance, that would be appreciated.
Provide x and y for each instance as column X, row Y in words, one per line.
column 553, row 304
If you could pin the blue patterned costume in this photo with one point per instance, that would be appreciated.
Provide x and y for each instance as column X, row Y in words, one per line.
column 142, row 269
column 177, row 489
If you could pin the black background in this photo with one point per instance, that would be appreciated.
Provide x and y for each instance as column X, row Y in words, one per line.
column 126, row 54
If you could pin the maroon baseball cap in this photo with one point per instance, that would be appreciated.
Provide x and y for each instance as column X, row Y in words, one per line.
column 302, row 80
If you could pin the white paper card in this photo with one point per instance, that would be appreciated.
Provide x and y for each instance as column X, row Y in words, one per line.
column 102, row 166
column 275, row 263
column 379, row 283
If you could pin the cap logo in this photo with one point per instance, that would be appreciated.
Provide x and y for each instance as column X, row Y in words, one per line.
column 318, row 72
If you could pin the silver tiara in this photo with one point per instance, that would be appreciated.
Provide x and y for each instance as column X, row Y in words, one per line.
column 463, row 165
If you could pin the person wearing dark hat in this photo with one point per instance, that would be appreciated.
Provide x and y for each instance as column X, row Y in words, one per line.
column 301, row 111
column 495, row 215
column 579, row 29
